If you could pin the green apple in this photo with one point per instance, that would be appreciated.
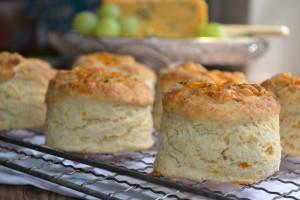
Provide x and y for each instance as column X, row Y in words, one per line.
column 211, row 30
column 130, row 26
column 84, row 22
column 109, row 10
column 107, row 27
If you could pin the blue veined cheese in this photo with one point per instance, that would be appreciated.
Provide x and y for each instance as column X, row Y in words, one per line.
column 166, row 18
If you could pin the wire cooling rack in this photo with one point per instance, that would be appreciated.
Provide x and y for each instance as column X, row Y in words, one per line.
column 127, row 175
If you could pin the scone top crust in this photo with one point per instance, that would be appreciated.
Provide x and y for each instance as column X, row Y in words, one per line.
column 103, row 58
column 187, row 71
column 286, row 89
column 223, row 77
column 229, row 103
column 13, row 65
column 100, row 84
column 192, row 72
column 122, row 63
column 283, row 80
column 139, row 70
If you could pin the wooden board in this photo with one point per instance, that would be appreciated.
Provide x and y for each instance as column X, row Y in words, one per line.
column 8, row 192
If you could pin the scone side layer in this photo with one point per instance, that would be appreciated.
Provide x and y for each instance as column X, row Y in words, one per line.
column 23, row 85
column 286, row 89
column 89, row 126
column 201, row 151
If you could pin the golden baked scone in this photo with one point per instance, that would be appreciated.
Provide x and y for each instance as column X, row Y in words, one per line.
column 92, row 110
column 23, row 85
column 168, row 77
column 224, row 77
column 189, row 71
column 221, row 133
column 118, row 63
column 100, row 59
column 286, row 89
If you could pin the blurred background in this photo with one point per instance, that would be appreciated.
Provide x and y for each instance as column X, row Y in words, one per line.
column 25, row 26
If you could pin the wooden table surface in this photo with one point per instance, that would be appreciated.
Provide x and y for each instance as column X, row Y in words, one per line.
column 8, row 192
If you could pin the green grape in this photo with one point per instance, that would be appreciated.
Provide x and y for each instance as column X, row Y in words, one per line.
column 211, row 30
column 109, row 10
column 107, row 27
column 130, row 26
column 84, row 22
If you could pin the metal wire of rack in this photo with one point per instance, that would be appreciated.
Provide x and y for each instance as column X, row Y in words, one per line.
column 127, row 175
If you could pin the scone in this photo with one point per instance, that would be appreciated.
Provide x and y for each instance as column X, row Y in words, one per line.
column 118, row 63
column 92, row 110
column 286, row 89
column 23, row 85
column 224, row 77
column 168, row 77
column 221, row 133
column 189, row 71
column 100, row 59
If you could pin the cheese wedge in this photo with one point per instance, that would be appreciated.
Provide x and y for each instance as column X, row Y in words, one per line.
column 165, row 18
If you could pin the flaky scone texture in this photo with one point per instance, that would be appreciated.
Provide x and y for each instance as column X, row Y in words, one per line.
column 87, row 125
column 99, row 84
column 286, row 89
column 218, row 152
column 169, row 77
column 103, row 58
column 221, row 133
column 13, row 65
column 233, row 103
column 23, row 85
column 190, row 71
column 224, row 77
column 118, row 63
column 91, row 110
